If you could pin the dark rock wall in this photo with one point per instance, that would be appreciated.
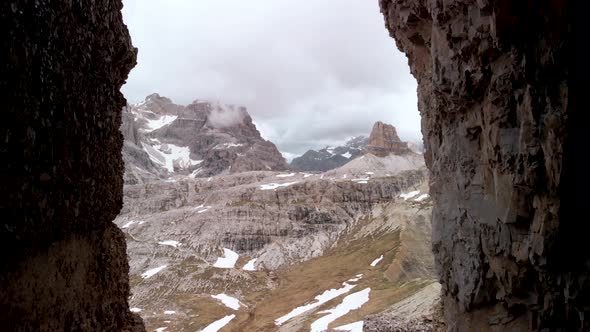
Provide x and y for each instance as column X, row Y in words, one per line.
column 503, row 133
column 64, row 264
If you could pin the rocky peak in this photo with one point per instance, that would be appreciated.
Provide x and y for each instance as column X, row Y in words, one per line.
column 384, row 141
column 202, row 139
column 330, row 157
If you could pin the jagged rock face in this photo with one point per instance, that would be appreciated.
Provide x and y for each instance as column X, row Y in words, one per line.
column 65, row 267
column 330, row 157
column 496, row 106
column 163, row 139
column 384, row 141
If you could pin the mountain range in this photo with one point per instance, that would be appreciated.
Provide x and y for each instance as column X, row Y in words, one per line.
column 221, row 234
column 163, row 139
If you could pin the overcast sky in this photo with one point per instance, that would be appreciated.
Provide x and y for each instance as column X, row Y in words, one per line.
column 312, row 73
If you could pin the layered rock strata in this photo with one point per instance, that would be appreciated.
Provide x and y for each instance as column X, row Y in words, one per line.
column 501, row 118
column 384, row 141
column 64, row 266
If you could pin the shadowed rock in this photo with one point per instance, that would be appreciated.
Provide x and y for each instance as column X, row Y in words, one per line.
column 64, row 266
column 501, row 117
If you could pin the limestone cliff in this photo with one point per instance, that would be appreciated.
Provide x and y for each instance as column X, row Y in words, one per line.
column 384, row 141
column 500, row 117
column 64, row 266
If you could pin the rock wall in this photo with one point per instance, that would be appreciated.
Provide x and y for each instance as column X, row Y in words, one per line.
column 384, row 141
column 64, row 266
column 502, row 125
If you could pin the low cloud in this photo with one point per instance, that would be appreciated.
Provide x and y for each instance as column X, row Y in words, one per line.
column 311, row 73
column 222, row 116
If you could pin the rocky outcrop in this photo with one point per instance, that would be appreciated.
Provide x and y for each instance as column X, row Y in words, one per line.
column 384, row 141
column 163, row 139
column 500, row 118
column 65, row 266
column 330, row 157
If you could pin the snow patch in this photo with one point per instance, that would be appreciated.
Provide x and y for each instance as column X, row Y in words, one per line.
column 228, row 261
column 207, row 208
column 375, row 262
column 357, row 278
column 352, row 327
column 169, row 312
column 409, row 195
column 421, row 198
column 170, row 243
column 347, row 155
column 150, row 273
column 161, row 329
column 250, row 265
column 351, row 302
column 369, row 173
column 320, row 299
column 227, row 146
column 196, row 172
column 218, row 324
column 135, row 310
column 228, row 301
column 127, row 225
column 285, row 175
column 161, row 122
column 272, row 186
column 167, row 155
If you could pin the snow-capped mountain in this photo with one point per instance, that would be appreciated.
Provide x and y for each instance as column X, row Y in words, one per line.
column 163, row 139
column 330, row 157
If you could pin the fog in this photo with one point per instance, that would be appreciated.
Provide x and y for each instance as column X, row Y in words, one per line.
column 311, row 73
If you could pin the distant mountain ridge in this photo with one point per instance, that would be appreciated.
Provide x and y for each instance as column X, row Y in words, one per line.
column 203, row 139
column 382, row 142
column 330, row 157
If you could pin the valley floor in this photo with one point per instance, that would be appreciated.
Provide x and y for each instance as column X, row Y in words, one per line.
column 372, row 271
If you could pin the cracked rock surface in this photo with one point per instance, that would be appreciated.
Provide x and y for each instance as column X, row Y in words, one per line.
column 499, row 122
column 64, row 267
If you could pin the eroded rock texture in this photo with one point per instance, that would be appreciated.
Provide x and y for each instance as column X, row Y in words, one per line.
column 64, row 265
column 500, row 118
column 384, row 141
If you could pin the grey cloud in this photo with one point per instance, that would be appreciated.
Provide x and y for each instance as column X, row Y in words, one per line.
column 310, row 72
column 222, row 116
